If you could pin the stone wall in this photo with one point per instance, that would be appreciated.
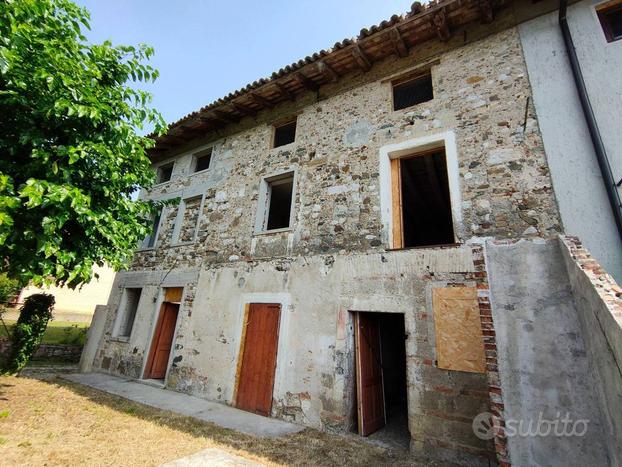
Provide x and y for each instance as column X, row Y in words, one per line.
column 481, row 94
column 335, row 259
column 60, row 352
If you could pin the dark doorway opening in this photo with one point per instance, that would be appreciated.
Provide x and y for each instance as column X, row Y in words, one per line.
column 425, row 200
column 381, row 389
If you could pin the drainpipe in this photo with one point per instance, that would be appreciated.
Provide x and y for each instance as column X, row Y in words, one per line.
column 599, row 148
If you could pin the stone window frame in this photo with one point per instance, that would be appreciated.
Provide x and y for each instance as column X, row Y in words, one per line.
column 199, row 152
column 446, row 140
column 409, row 74
column 144, row 244
column 159, row 166
column 181, row 212
column 292, row 118
column 263, row 204
column 122, row 313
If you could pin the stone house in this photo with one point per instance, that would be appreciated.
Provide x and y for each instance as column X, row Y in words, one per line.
column 327, row 261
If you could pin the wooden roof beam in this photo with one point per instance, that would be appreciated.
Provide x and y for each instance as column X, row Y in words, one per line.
column 306, row 82
column 284, row 91
column 327, row 71
column 486, row 10
column 398, row 42
column 225, row 117
column 440, row 24
column 361, row 59
column 262, row 101
column 247, row 111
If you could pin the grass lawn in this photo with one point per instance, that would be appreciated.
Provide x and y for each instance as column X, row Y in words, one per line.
column 56, row 422
column 58, row 332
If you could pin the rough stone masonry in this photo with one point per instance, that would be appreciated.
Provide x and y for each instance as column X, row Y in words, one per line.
column 336, row 258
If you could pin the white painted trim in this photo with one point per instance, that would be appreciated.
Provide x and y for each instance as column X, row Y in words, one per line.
column 285, row 299
column 263, row 203
column 411, row 147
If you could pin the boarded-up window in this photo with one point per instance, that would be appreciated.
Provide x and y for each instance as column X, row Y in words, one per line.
column 127, row 312
column 284, row 134
column 459, row 341
column 191, row 210
column 412, row 92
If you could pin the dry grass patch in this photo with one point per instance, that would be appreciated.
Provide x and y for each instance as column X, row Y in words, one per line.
column 56, row 422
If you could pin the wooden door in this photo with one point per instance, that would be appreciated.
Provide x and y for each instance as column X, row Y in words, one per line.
column 256, row 380
column 369, row 383
column 162, row 341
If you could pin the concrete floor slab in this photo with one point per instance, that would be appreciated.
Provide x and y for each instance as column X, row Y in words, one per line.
column 213, row 457
column 220, row 414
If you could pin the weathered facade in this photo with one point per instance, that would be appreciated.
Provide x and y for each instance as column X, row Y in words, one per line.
column 338, row 257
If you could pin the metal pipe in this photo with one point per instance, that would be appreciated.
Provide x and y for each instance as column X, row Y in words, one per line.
column 599, row 147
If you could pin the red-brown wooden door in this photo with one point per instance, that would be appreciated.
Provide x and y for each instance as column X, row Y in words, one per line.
column 369, row 384
column 256, row 380
column 162, row 341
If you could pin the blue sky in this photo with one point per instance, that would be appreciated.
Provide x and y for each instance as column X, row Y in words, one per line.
column 206, row 49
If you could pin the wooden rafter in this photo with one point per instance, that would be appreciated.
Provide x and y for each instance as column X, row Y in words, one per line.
column 225, row 117
column 243, row 109
column 262, row 101
column 440, row 24
column 487, row 12
column 284, row 92
column 327, row 71
column 306, row 82
column 398, row 42
column 361, row 59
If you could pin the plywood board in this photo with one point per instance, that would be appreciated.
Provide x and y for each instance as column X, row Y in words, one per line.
column 459, row 342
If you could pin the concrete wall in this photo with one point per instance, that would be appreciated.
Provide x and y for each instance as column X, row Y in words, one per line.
column 314, row 382
column 582, row 199
column 82, row 300
column 545, row 356
column 599, row 302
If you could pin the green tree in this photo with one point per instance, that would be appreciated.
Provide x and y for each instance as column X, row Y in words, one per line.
column 70, row 150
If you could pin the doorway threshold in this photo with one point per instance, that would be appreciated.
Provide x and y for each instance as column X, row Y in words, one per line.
column 156, row 383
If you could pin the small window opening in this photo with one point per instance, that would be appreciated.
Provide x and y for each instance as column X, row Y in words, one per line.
column 421, row 201
column 279, row 202
column 151, row 238
column 285, row 134
column 610, row 16
column 165, row 172
column 412, row 92
column 128, row 313
column 203, row 160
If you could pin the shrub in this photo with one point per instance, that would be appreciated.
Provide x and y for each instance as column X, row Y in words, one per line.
column 8, row 289
column 29, row 329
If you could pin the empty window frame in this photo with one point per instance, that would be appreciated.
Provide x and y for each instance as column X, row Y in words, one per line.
column 421, row 202
column 187, row 219
column 610, row 17
column 276, row 199
column 202, row 160
column 407, row 93
column 284, row 134
column 165, row 172
column 127, row 312
column 150, row 239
